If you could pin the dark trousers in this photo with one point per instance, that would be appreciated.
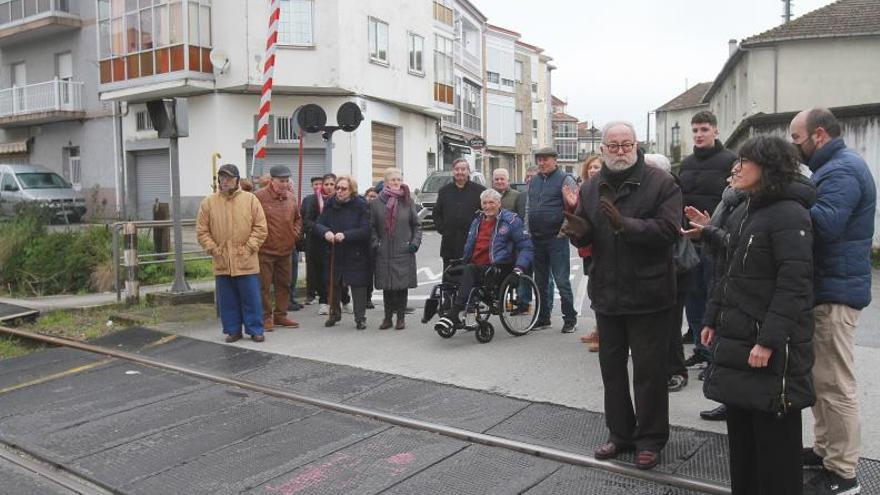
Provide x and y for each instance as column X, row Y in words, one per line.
column 359, row 296
column 552, row 258
column 395, row 302
column 695, row 303
column 646, row 426
column 675, row 357
column 316, row 280
column 472, row 276
column 294, row 275
column 274, row 270
column 765, row 452
column 239, row 301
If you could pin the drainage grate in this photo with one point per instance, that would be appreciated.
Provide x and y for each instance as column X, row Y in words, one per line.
column 710, row 462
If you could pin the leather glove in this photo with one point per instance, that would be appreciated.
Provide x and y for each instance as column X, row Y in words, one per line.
column 413, row 248
column 612, row 214
column 576, row 227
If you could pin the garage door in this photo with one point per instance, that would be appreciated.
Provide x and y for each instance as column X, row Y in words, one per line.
column 384, row 150
column 153, row 175
column 313, row 164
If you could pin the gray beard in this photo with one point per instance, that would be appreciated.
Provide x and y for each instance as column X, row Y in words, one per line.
column 619, row 166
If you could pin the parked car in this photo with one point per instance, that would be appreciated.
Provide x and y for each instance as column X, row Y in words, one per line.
column 21, row 184
column 519, row 186
column 426, row 196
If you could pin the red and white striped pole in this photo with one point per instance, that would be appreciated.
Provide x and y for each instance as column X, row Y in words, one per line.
column 266, row 92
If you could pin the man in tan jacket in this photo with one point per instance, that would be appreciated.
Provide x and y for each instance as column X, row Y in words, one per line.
column 285, row 225
column 231, row 227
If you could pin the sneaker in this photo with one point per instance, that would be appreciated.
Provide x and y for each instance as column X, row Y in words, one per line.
column 829, row 483
column 677, row 382
column 310, row 300
column 702, row 375
column 542, row 324
column 568, row 327
column 346, row 308
column 694, row 360
column 323, row 309
column 811, row 460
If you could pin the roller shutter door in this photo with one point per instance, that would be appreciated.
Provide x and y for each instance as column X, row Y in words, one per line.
column 313, row 164
column 153, row 176
column 384, row 150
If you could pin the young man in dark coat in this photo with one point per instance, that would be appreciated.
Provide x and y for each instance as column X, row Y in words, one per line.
column 456, row 204
column 631, row 214
column 703, row 178
column 843, row 223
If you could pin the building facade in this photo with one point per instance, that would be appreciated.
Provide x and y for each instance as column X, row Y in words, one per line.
column 565, row 136
column 372, row 53
column 501, row 110
column 674, row 122
column 589, row 140
column 50, row 113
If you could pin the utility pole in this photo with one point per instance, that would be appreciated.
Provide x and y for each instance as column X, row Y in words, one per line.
column 786, row 11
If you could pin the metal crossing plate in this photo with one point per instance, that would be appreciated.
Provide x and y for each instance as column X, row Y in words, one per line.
column 11, row 312
column 19, row 481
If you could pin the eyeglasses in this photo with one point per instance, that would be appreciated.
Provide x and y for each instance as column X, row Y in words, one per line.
column 341, row 188
column 614, row 147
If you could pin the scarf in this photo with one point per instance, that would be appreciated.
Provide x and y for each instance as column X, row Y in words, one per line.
column 321, row 199
column 391, row 198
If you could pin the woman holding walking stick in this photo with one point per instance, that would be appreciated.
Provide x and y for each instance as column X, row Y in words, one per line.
column 345, row 225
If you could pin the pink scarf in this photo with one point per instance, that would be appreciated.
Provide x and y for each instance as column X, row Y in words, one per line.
column 391, row 199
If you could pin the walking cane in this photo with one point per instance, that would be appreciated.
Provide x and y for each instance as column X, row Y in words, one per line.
column 330, row 298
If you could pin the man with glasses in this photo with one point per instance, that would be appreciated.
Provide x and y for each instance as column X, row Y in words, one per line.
column 231, row 227
column 703, row 177
column 631, row 214
column 546, row 203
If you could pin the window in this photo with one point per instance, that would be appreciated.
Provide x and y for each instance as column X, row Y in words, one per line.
column 676, row 135
column 443, row 11
column 443, row 70
column 284, row 130
column 18, row 73
column 378, row 41
column 143, row 121
column 565, row 130
column 9, row 183
column 64, row 73
column 508, row 83
column 535, row 89
column 493, row 77
column 295, row 26
column 471, row 106
column 534, row 130
column 567, row 150
column 518, row 71
column 416, row 54
column 140, row 38
column 517, row 123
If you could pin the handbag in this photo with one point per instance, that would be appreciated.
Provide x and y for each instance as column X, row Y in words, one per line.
column 685, row 255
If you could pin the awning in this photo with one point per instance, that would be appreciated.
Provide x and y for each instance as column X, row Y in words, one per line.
column 13, row 148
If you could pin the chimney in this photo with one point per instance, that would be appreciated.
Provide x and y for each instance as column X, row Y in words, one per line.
column 732, row 45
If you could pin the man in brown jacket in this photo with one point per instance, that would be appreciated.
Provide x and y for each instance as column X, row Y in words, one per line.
column 285, row 225
column 231, row 227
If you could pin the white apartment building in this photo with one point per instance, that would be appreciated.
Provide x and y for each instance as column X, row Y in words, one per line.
column 374, row 53
column 502, row 125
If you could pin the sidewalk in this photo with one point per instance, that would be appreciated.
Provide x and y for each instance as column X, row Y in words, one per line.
column 50, row 303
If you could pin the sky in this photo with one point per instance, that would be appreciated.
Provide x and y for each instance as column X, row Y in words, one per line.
column 620, row 59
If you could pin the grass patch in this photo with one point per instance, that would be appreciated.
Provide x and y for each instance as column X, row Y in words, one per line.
column 875, row 258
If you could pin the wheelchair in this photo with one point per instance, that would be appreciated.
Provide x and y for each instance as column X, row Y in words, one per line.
column 518, row 315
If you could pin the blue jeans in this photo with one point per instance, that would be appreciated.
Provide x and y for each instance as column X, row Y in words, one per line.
column 240, row 303
column 552, row 256
column 695, row 303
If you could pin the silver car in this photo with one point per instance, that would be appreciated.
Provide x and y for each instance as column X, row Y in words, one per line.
column 426, row 196
column 20, row 184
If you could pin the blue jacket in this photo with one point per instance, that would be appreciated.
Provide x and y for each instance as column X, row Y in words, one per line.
column 843, row 225
column 511, row 243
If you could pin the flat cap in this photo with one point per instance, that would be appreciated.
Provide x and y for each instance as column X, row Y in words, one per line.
column 546, row 151
column 279, row 171
column 229, row 169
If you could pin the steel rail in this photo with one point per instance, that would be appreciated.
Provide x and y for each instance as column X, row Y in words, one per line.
column 449, row 431
column 59, row 476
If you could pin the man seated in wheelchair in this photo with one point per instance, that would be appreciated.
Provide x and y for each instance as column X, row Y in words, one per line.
column 497, row 243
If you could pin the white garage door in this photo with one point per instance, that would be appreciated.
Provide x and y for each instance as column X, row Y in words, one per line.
column 313, row 164
column 153, row 176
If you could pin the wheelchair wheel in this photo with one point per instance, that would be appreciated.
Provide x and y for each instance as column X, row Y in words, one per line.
column 484, row 332
column 518, row 314
column 446, row 333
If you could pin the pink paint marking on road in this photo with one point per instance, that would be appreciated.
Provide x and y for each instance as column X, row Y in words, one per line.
column 311, row 477
column 403, row 458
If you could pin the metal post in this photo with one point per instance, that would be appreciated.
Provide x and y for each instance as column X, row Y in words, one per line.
column 116, row 262
column 179, row 284
column 328, row 153
column 132, row 285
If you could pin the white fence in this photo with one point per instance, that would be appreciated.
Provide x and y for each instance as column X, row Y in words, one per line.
column 51, row 96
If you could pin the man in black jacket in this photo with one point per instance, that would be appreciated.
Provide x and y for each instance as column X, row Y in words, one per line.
column 631, row 214
column 456, row 204
column 316, row 251
column 703, row 177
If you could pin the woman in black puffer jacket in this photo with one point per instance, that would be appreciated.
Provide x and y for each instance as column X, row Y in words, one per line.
column 759, row 320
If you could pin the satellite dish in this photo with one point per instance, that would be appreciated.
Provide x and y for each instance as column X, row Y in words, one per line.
column 311, row 118
column 349, row 116
column 219, row 59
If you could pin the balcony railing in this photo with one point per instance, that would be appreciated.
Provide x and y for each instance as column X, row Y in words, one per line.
column 52, row 96
column 13, row 11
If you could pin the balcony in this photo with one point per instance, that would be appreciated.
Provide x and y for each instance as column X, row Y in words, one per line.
column 26, row 20
column 52, row 101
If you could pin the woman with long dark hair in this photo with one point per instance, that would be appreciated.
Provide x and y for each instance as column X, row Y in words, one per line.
column 759, row 322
